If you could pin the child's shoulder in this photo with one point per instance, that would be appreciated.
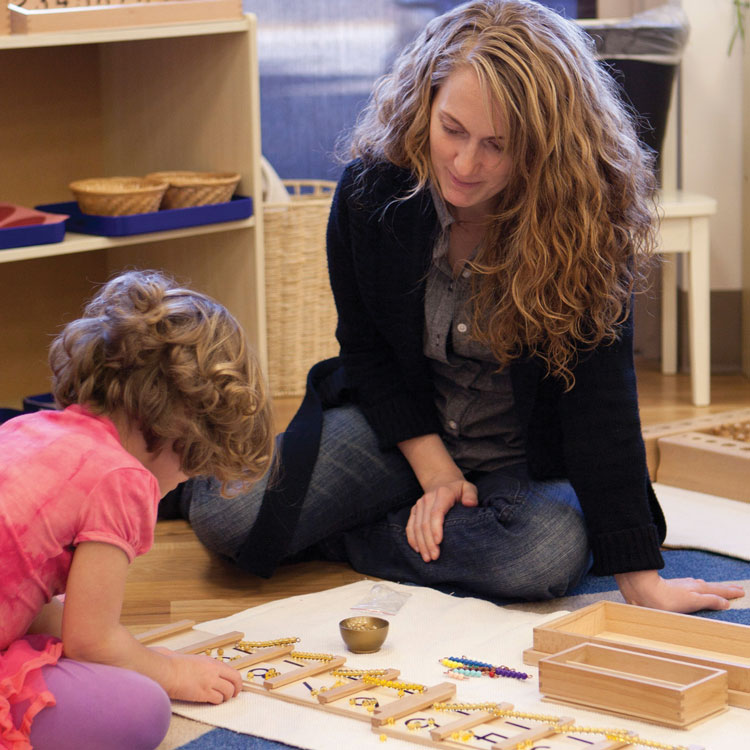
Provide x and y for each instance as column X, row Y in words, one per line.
column 72, row 435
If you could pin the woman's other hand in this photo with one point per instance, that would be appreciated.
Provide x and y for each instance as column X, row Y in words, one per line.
column 443, row 484
column 424, row 531
column 647, row 588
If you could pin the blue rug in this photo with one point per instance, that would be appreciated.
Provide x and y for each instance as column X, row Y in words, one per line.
column 679, row 564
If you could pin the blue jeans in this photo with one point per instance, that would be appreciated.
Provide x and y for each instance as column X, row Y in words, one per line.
column 526, row 539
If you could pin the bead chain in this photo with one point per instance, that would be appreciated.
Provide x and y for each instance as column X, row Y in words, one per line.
column 357, row 672
column 472, row 668
column 393, row 684
column 309, row 656
column 614, row 735
column 252, row 645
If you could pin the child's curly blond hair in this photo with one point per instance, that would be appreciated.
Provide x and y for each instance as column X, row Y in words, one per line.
column 176, row 364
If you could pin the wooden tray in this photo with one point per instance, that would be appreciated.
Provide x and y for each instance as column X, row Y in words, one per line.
column 664, row 691
column 25, row 21
column 710, row 643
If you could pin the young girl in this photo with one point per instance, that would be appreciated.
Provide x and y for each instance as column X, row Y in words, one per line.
column 157, row 384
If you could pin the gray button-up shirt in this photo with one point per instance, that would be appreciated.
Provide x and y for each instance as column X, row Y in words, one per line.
column 474, row 400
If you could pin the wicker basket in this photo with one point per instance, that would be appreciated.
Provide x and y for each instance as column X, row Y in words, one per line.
column 196, row 188
column 299, row 304
column 118, row 196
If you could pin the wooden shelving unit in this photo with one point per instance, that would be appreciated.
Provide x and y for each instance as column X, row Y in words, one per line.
column 128, row 102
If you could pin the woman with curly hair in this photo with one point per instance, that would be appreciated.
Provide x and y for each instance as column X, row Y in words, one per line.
column 480, row 428
column 155, row 384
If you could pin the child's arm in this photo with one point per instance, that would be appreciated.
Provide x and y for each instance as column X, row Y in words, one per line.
column 91, row 631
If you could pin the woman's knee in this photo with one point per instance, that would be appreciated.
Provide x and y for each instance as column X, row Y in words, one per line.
column 222, row 523
column 556, row 555
column 538, row 547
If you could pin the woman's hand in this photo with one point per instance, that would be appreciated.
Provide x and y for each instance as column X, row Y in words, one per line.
column 200, row 679
column 443, row 484
column 647, row 588
column 424, row 531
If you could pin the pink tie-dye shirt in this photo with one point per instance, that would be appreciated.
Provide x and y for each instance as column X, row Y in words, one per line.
column 64, row 479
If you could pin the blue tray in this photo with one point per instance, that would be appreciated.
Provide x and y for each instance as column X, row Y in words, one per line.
column 36, row 234
column 239, row 207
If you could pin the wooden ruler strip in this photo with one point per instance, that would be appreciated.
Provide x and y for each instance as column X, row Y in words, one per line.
column 531, row 735
column 299, row 674
column 416, row 702
column 216, row 641
column 467, row 722
column 354, row 686
column 164, row 631
column 262, row 654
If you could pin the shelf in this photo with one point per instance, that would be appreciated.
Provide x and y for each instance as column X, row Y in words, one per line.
column 126, row 101
column 133, row 33
column 83, row 243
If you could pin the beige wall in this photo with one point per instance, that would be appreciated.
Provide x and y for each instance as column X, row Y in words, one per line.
column 625, row 8
column 715, row 159
column 712, row 131
column 711, row 127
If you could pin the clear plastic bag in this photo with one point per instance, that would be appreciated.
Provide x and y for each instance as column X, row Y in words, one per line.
column 382, row 600
column 656, row 35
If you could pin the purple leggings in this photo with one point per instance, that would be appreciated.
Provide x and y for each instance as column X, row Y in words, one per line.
column 99, row 708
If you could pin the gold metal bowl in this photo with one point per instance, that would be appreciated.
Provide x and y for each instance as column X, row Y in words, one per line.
column 363, row 634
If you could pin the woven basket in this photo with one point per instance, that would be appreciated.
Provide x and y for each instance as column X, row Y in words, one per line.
column 196, row 188
column 299, row 304
column 118, row 196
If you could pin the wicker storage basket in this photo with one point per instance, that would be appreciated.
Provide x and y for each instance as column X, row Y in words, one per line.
column 196, row 188
column 299, row 304
column 118, row 196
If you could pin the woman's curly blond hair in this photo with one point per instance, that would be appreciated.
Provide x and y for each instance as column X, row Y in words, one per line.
column 176, row 364
column 574, row 227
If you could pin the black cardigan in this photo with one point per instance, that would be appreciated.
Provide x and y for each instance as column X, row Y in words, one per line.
column 379, row 251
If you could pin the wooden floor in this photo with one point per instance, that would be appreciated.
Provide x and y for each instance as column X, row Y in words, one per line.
column 179, row 579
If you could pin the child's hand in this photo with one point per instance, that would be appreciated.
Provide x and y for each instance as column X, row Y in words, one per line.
column 92, row 632
column 201, row 679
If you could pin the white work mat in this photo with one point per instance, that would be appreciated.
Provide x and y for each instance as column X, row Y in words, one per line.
column 706, row 522
column 429, row 626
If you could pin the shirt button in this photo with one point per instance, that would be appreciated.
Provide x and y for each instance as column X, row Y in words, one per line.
column 462, row 327
column 453, row 424
column 466, row 273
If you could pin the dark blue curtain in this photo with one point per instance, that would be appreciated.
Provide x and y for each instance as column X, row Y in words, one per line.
column 318, row 61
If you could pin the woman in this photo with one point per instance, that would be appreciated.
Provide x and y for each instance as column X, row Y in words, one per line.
column 480, row 428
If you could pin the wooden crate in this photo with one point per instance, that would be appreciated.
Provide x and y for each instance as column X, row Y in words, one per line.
column 653, row 434
column 705, row 462
column 24, row 21
column 664, row 691
column 710, row 643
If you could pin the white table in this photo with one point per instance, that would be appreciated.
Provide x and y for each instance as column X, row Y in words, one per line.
column 684, row 228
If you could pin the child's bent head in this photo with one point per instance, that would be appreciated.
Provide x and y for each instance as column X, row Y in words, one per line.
column 176, row 365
